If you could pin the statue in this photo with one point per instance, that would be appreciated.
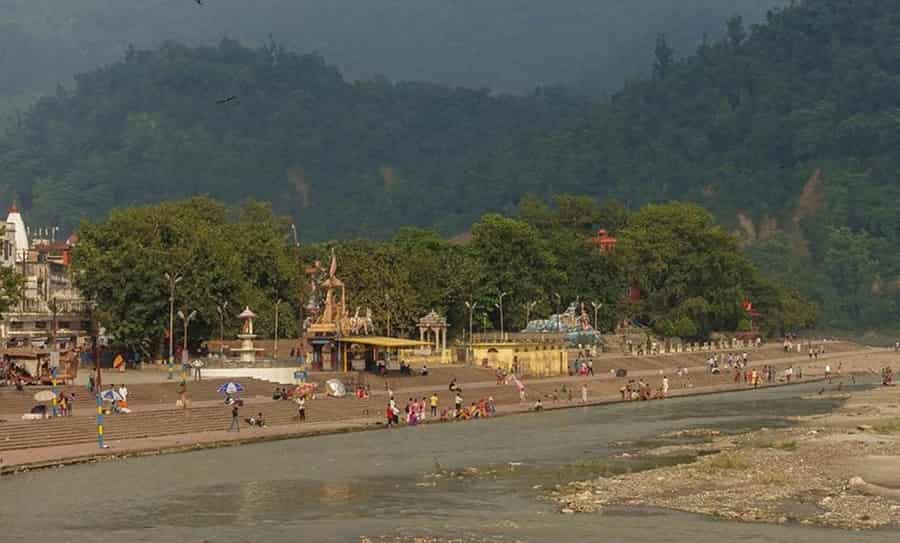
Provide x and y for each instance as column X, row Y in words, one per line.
column 583, row 320
column 367, row 322
column 333, row 315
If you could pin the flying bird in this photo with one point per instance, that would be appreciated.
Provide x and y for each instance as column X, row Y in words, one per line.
column 226, row 100
column 199, row 2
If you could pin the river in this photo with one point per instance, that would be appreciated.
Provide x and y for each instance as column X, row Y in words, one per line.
column 381, row 484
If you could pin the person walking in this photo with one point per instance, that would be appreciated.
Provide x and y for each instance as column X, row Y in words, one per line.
column 389, row 414
column 301, row 409
column 235, row 420
column 434, row 405
column 457, row 405
column 590, row 367
column 583, row 393
column 665, row 386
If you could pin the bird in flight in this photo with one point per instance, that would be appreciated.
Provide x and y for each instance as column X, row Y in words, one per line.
column 226, row 100
column 199, row 2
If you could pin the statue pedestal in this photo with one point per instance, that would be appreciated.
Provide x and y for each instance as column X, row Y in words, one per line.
column 247, row 352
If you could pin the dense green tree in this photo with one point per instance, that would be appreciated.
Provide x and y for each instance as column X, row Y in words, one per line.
column 689, row 269
column 121, row 264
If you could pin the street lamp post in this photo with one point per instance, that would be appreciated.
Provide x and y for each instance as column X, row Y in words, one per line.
column 499, row 305
column 172, row 280
column 387, row 307
column 558, row 302
column 187, row 320
column 529, row 307
column 471, row 306
column 220, row 309
column 275, row 349
column 596, row 310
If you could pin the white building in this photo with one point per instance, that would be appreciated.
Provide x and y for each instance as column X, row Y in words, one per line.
column 51, row 305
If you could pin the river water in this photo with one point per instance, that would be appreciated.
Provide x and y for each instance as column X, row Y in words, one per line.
column 382, row 484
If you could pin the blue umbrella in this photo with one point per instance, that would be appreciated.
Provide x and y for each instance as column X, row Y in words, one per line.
column 230, row 388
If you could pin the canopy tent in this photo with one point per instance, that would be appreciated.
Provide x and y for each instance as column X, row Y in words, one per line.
column 373, row 344
column 384, row 342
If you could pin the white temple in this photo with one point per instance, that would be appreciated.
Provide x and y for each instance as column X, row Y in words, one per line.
column 15, row 246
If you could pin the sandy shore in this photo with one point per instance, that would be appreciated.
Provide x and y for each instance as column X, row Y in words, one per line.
column 838, row 470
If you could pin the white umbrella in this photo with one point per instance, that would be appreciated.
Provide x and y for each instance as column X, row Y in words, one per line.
column 44, row 396
column 111, row 396
column 335, row 388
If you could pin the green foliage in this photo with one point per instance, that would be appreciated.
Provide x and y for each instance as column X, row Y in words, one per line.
column 695, row 275
column 738, row 127
column 148, row 128
column 12, row 285
column 121, row 264
column 686, row 267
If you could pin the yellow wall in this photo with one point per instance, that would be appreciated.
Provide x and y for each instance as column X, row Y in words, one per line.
column 535, row 360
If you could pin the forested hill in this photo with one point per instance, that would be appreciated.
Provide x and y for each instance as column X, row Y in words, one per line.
column 787, row 131
column 343, row 158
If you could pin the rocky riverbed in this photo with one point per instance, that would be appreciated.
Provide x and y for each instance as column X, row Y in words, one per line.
column 838, row 470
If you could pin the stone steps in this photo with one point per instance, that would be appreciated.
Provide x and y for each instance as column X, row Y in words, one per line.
column 82, row 428
column 15, row 403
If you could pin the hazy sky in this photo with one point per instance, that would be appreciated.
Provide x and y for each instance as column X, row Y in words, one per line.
column 504, row 44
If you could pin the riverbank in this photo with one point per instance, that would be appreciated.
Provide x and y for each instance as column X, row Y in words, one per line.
column 335, row 416
column 837, row 470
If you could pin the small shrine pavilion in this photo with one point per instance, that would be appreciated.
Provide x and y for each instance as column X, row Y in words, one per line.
column 433, row 329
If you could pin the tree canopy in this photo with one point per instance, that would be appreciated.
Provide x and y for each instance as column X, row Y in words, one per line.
column 786, row 130
column 692, row 272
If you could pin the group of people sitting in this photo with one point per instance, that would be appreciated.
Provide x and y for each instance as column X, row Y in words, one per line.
column 418, row 410
column 362, row 392
column 887, row 376
column 258, row 421
column 13, row 375
column 282, row 394
column 642, row 391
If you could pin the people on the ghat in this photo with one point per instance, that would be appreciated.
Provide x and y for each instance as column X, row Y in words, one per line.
column 538, row 405
column 584, row 393
column 665, row 386
column 235, row 421
column 301, row 409
column 257, row 421
column 433, row 401
column 457, row 404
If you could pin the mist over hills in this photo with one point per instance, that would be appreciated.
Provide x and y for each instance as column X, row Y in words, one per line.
column 506, row 45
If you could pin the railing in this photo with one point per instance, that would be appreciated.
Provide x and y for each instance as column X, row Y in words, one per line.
column 63, row 307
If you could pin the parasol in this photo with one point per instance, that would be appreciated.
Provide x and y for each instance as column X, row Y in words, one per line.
column 44, row 396
column 231, row 387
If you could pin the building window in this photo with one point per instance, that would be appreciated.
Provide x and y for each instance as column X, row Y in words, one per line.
column 63, row 324
column 85, row 325
column 15, row 325
column 40, row 325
